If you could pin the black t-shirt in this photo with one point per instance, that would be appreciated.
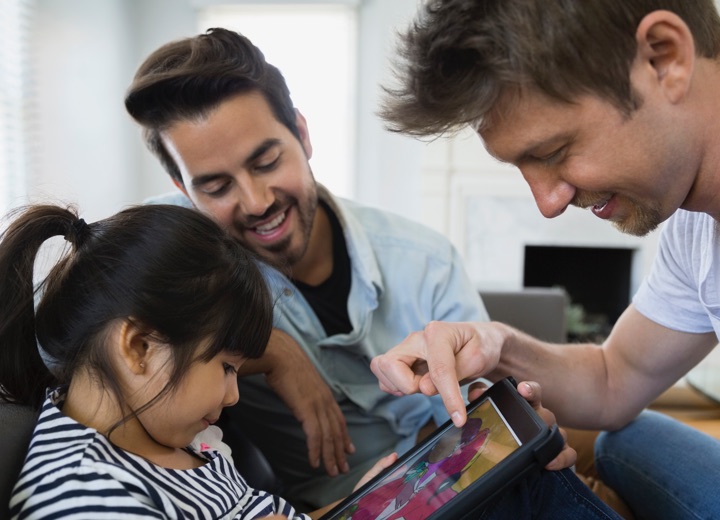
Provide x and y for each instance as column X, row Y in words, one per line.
column 329, row 299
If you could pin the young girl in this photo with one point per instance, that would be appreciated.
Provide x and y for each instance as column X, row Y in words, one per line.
column 144, row 323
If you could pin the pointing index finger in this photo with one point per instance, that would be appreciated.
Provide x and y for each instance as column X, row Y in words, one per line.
column 442, row 376
column 442, row 379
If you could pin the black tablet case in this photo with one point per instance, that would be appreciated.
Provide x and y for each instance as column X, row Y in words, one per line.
column 531, row 456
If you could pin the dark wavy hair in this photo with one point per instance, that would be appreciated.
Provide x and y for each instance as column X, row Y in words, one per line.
column 185, row 79
column 460, row 56
column 170, row 270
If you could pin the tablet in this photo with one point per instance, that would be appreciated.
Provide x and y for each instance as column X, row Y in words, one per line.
column 455, row 471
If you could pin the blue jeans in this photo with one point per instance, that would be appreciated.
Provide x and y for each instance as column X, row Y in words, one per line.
column 550, row 495
column 662, row 468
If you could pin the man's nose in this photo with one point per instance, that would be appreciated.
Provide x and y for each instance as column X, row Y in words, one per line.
column 552, row 194
column 254, row 197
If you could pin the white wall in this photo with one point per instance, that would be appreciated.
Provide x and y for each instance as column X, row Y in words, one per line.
column 388, row 165
column 82, row 139
column 88, row 150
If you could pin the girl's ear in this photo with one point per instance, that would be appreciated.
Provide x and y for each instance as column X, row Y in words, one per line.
column 133, row 346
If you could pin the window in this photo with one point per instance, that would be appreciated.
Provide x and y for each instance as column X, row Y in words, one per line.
column 313, row 45
column 14, row 105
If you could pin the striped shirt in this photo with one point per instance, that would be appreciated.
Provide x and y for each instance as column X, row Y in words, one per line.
column 72, row 471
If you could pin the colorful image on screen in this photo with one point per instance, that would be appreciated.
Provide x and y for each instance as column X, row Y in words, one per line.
column 439, row 472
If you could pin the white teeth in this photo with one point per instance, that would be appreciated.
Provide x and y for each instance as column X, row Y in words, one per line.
column 599, row 207
column 270, row 226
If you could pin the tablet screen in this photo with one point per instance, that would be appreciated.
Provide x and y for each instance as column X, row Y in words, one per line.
column 434, row 475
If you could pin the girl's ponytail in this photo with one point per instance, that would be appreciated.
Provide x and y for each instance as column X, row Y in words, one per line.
column 23, row 374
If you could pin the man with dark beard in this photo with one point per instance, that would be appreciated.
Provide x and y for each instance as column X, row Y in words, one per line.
column 349, row 281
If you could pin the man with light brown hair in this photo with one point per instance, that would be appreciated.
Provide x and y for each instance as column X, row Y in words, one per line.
column 611, row 106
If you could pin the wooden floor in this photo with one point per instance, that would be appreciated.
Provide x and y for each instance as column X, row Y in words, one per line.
column 681, row 402
column 690, row 407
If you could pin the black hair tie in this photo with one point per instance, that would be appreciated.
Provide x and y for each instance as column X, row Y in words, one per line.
column 80, row 230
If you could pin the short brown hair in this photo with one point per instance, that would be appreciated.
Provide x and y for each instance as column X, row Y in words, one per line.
column 186, row 79
column 460, row 56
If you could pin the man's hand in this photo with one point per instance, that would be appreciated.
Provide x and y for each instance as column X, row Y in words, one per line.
column 435, row 359
column 532, row 393
column 295, row 380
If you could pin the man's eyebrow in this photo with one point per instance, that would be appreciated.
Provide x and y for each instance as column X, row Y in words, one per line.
column 205, row 178
column 262, row 148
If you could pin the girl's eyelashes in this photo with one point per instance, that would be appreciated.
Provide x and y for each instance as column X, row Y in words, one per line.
column 229, row 368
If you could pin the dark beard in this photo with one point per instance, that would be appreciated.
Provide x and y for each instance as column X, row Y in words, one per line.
column 280, row 255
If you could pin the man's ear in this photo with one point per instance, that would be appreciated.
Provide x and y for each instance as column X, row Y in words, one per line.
column 666, row 50
column 302, row 127
column 133, row 347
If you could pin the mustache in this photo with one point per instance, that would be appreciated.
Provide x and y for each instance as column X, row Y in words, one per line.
column 587, row 199
column 251, row 221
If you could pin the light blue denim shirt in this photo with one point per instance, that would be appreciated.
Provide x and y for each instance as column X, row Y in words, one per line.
column 404, row 275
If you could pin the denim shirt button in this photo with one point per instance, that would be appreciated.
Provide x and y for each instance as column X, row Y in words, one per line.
column 287, row 291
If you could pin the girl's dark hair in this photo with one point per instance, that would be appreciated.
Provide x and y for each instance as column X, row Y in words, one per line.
column 185, row 80
column 169, row 269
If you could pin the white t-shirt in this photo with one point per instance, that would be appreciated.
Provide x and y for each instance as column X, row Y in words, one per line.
column 682, row 291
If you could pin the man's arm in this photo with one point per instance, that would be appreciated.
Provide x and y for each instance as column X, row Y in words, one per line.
column 585, row 385
column 293, row 377
column 606, row 386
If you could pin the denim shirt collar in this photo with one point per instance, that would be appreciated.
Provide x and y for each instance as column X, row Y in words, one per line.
column 366, row 287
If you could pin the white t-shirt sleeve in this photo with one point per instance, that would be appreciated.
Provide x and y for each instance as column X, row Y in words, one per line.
column 671, row 294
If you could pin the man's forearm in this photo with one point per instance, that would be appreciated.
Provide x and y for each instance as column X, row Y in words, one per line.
column 573, row 378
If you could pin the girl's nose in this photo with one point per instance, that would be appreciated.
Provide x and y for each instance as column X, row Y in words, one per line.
column 232, row 394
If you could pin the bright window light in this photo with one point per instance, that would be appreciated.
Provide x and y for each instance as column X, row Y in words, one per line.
column 14, row 101
column 314, row 46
